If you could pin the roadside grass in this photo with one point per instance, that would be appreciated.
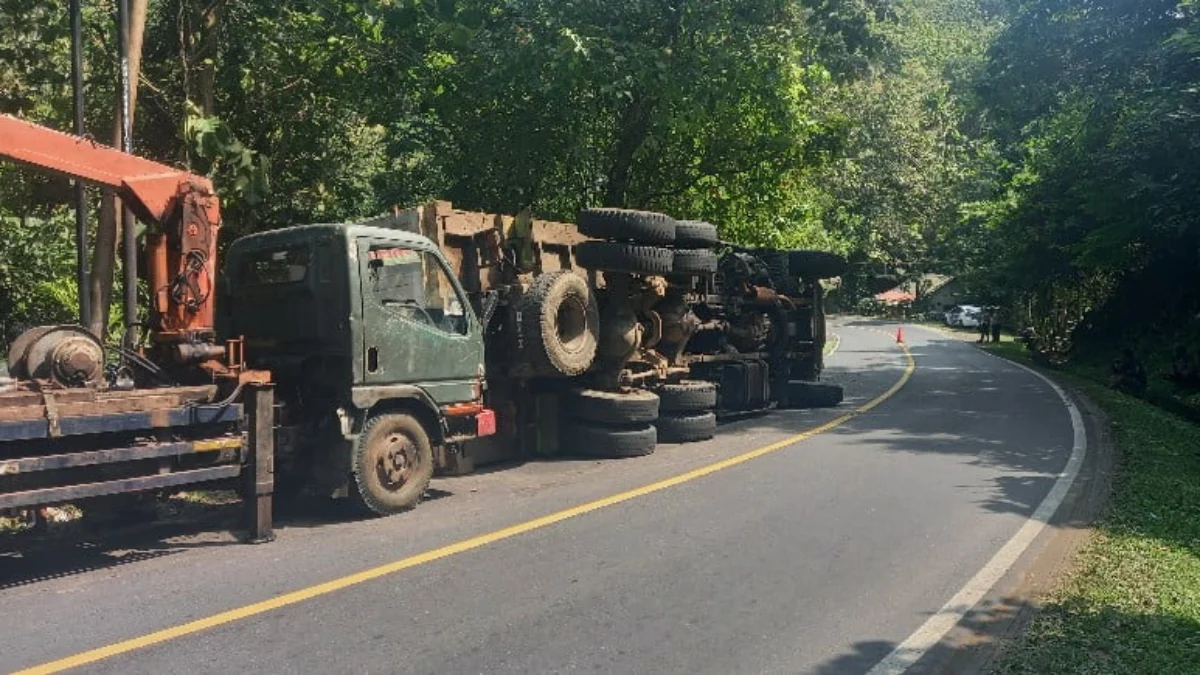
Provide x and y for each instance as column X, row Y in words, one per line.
column 1132, row 603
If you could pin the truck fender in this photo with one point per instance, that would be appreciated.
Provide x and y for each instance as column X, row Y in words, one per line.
column 367, row 398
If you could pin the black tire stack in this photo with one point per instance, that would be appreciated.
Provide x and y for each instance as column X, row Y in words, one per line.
column 687, row 411
column 779, row 267
column 694, row 241
column 634, row 242
column 804, row 394
column 610, row 424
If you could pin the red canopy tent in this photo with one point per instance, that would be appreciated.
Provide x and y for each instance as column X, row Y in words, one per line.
column 895, row 296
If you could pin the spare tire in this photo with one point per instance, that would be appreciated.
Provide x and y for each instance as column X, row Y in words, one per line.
column 687, row 428
column 593, row 440
column 812, row 265
column 778, row 265
column 560, row 325
column 635, row 406
column 695, row 234
column 629, row 258
column 694, row 262
column 687, row 396
column 801, row 394
column 639, row 227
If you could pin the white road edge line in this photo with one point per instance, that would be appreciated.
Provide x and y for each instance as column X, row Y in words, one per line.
column 928, row 635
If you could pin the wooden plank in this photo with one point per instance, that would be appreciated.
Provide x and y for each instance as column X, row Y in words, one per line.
column 104, row 405
column 122, row 422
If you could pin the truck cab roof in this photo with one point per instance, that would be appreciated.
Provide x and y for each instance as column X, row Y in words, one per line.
column 302, row 233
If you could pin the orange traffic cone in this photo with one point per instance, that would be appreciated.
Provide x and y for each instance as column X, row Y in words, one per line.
column 900, row 335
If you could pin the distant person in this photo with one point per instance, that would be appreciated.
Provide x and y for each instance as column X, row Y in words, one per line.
column 984, row 325
column 1128, row 375
column 1184, row 372
column 996, row 326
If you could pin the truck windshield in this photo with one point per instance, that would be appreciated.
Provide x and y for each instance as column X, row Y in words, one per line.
column 276, row 266
column 416, row 286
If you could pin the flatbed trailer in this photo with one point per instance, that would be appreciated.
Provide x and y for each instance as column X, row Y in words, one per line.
column 69, row 446
column 80, row 419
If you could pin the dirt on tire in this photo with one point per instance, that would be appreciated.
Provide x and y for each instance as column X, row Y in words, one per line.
column 561, row 325
column 636, row 406
column 687, row 427
column 392, row 464
column 610, row 442
column 687, row 396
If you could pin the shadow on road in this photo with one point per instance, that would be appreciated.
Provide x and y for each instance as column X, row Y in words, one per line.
column 915, row 421
column 26, row 560
column 993, row 638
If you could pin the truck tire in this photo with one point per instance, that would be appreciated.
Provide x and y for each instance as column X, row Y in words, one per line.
column 639, row 227
column 687, row 428
column 560, row 323
column 636, row 406
column 629, row 258
column 695, row 234
column 392, row 463
column 687, row 396
column 802, row 394
column 610, row 442
column 814, row 265
column 694, row 262
column 805, row 369
column 780, row 271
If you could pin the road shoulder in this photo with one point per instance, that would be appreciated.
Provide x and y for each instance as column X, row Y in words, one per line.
column 1005, row 612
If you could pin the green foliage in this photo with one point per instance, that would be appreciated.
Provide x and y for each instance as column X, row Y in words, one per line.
column 212, row 142
column 36, row 256
column 1096, row 111
column 907, row 163
column 1132, row 605
column 836, row 124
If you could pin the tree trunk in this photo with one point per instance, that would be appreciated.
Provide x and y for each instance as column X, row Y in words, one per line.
column 104, row 255
column 634, row 127
column 206, row 53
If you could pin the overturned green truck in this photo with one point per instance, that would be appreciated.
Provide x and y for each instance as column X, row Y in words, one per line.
column 439, row 339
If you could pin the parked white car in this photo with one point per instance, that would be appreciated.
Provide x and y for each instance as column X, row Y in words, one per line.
column 964, row 316
column 970, row 318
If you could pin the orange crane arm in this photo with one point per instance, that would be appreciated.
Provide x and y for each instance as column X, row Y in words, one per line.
column 183, row 207
column 148, row 187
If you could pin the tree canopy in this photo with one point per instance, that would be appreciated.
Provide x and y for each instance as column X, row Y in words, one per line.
column 1039, row 149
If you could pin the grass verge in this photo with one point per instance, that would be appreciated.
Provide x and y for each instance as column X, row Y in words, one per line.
column 1132, row 605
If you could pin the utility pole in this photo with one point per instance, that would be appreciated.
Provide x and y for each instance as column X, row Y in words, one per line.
column 81, row 233
column 129, row 234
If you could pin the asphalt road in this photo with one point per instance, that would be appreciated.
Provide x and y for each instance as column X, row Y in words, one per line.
column 820, row 557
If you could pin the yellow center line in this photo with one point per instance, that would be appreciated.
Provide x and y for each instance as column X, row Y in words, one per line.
column 836, row 345
column 298, row 596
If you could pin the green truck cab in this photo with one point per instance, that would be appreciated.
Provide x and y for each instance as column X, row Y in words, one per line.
column 377, row 355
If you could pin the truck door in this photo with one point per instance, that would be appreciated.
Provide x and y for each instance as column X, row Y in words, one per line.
column 417, row 326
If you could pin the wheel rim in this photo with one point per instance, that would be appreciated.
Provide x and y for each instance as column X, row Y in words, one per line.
column 396, row 460
column 571, row 323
